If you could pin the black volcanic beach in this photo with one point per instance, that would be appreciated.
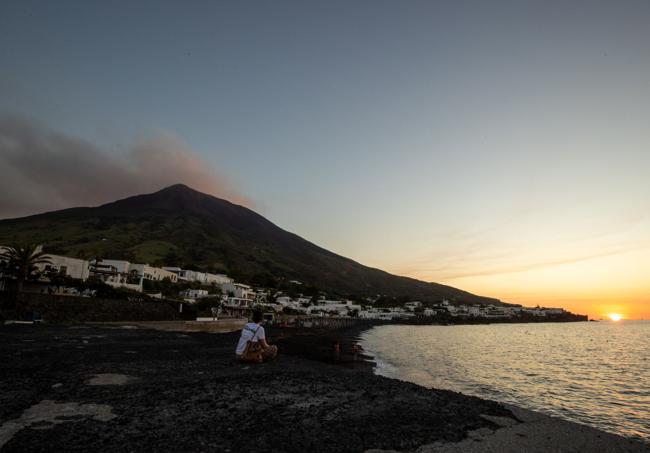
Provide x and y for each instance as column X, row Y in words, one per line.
column 121, row 388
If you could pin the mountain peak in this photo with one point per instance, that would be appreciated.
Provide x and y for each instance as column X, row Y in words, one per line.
column 183, row 193
column 178, row 188
column 174, row 199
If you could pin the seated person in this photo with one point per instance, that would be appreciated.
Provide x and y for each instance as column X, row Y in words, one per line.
column 252, row 345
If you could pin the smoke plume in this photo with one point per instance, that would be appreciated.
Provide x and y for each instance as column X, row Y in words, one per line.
column 43, row 170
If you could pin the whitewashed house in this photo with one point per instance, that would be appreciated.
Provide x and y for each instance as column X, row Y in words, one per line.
column 204, row 278
column 533, row 311
column 334, row 307
column 374, row 313
column 152, row 273
column 452, row 309
column 194, row 294
column 285, row 301
column 192, row 276
column 496, row 312
column 121, row 266
column 72, row 267
column 412, row 306
column 238, row 290
column 110, row 274
column 176, row 270
column 217, row 279
column 238, row 302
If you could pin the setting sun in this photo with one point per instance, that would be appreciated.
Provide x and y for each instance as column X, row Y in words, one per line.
column 615, row 317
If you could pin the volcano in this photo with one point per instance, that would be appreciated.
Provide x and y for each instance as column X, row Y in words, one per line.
column 179, row 226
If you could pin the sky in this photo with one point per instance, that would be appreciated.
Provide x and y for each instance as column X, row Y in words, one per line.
column 500, row 147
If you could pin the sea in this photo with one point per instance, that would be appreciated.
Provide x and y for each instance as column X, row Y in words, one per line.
column 594, row 373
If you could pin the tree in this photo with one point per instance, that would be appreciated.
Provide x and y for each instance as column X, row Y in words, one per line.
column 22, row 261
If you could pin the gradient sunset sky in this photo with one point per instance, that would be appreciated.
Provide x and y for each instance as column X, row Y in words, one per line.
column 500, row 147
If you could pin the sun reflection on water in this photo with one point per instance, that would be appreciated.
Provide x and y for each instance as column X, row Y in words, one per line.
column 592, row 373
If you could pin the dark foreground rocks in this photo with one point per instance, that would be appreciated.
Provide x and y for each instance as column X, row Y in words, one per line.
column 88, row 388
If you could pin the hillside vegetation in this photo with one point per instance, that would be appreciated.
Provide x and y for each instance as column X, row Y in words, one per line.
column 179, row 226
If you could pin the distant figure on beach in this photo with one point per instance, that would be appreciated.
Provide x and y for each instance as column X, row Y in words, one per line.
column 337, row 351
column 355, row 351
column 252, row 346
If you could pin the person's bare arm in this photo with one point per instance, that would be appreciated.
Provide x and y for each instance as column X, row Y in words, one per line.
column 263, row 343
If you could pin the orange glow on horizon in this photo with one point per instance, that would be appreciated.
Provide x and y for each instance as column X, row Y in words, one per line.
column 546, row 263
column 597, row 287
column 627, row 306
column 615, row 317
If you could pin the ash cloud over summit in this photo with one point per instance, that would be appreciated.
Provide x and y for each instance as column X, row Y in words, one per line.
column 44, row 170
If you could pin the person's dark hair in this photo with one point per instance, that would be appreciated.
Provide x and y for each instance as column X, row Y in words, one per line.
column 257, row 316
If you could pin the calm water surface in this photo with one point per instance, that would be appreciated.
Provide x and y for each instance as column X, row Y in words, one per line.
column 592, row 373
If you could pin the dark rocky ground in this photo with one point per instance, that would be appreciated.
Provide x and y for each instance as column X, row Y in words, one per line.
column 184, row 392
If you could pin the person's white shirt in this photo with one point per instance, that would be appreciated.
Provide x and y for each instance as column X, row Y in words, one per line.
column 251, row 332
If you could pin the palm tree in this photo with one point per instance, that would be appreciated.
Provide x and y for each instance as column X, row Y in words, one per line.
column 22, row 261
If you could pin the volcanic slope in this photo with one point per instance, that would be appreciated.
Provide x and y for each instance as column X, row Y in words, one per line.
column 180, row 226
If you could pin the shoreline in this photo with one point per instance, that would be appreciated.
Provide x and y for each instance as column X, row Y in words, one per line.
column 556, row 433
column 587, row 435
column 116, row 388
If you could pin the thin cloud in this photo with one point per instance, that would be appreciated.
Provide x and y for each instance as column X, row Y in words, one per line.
column 537, row 265
column 44, row 170
column 449, row 273
column 467, row 254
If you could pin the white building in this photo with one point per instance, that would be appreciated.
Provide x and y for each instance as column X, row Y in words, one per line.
column 152, row 273
column 286, row 301
column 194, row 294
column 334, row 307
column 238, row 290
column 533, row 311
column 412, row 306
column 204, row 278
column 341, row 309
column 72, row 267
column 238, row 302
column 174, row 269
column 496, row 312
column 374, row 313
column 191, row 276
column 110, row 274
column 121, row 266
column 452, row 309
column 217, row 279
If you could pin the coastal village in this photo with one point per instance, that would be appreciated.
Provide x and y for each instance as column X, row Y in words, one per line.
column 324, row 227
column 228, row 297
